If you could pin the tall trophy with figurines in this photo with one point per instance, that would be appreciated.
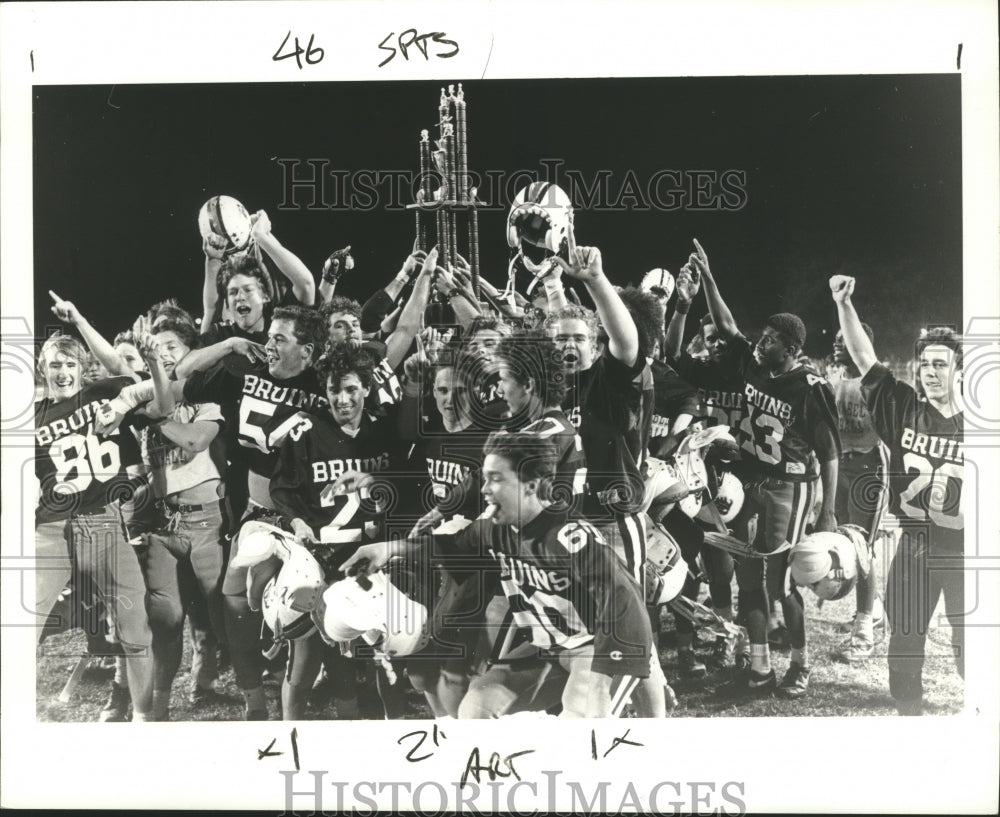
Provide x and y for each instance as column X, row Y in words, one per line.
column 446, row 207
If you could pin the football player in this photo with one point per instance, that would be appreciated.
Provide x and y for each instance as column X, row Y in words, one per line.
column 249, row 309
column 923, row 429
column 862, row 492
column 790, row 424
column 604, row 401
column 447, row 456
column 266, row 397
column 481, row 337
column 720, row 392
column 320, row 454
column 182, row 558
column 78, row 521
column 585, row 613
column 343, row 319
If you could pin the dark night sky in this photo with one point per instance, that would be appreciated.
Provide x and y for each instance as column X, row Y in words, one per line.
column 844, row 174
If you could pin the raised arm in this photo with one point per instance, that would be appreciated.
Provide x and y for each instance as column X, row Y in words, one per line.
column 859, row 347
column 721, row 316
column 623, row 337
column 687, row 287
column 287, row 262
column 338, row 262
column 398, row 343
column 67, row 312
column 212, row 246
column 555, row 292
column 457, row 289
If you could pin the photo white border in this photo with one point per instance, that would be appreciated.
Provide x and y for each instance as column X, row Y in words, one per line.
column 939, row 764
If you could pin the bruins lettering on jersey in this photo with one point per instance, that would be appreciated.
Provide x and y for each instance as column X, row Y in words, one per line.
column 926, row 459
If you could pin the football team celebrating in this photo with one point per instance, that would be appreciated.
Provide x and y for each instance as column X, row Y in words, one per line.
column 487, row 496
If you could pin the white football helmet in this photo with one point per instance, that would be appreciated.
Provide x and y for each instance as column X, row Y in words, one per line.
column 226, row 217
column 381, row 614
column 290, row 596
column 538, row 224
column 729, row 496
column 665, row 567
column 829, row 563
column 659, row 281
column 663, row 484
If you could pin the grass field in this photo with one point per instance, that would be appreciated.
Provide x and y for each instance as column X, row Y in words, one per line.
column 836, row 689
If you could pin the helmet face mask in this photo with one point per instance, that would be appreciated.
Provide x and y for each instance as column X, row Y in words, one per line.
column 665, row 568
column 538, row 225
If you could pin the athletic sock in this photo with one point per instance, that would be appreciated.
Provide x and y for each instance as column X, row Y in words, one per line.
column 760, row 658
column 800, row 657
column 121, row 675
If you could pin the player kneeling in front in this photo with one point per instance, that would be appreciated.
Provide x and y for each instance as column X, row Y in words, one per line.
column 585, row 614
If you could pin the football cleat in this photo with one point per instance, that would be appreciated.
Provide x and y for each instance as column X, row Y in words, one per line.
column 761, row 681
column 116, row 709
column 795, row 684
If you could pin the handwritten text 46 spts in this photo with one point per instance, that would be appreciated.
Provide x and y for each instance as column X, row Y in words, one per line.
column 432, row 44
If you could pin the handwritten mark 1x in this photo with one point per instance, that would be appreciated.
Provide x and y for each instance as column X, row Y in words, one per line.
column 262, row 753
column 295, row 748
column 615, row 743
column 958, row 59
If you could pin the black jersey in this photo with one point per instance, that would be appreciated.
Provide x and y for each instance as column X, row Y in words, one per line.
column 223, row 330
column 266, row 407
column 448, row 466
column 79, row 471
column 570, row 483
column 790, row 421
column 604, row 405
column 315, row 452
column 720, row 389
column 565, row 586
column 926, row 459
column 671, row 396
